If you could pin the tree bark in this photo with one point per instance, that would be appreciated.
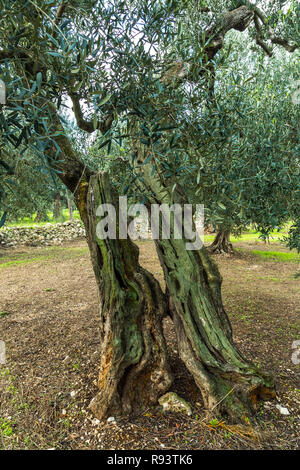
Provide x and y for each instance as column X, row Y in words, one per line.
column 70, row 208
column 41, row 215
column 57, row 209
column 221, row 243
column 229, row 384
column 134, row 369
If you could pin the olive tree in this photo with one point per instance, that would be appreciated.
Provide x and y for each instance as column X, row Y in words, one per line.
column 134, row 72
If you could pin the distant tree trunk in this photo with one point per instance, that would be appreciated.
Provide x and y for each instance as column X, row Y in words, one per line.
column 41, row 216
column 57, row 209
column 221, row 243
column 134, row 369
column 70, row 208
column 229, row 384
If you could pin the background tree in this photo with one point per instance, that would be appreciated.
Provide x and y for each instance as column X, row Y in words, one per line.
column 246, row 165
column 29, row 190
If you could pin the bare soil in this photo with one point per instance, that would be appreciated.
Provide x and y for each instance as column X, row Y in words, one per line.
column 49, row 322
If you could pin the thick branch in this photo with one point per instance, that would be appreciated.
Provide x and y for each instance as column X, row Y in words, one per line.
column 11, row 53
column 71, row 170
column 59, row 14
column 259, row 15
column 88, row 126
column 60, row 11
column 238, row 19
column 284, row 43
column 259, row 39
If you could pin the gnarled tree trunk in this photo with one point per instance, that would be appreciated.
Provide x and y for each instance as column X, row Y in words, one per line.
column 134, row 368
column 228, row 383
column 221, row 243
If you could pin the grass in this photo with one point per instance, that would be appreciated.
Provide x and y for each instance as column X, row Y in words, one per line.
column 6, row 427
column 21, row 261
column 278, row 256
column 29, row 221
column 268, row 278
column 50, row 255
column 249, row 236
column 3, row 314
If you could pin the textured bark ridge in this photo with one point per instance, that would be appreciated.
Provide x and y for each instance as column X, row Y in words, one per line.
column 134, row 368
column 228, row 382
column 221, row 243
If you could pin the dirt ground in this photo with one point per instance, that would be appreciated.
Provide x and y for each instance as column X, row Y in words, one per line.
column 49, row 322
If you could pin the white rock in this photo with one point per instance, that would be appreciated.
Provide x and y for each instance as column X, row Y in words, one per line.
column 96, row 422
column 172, row 402
column 73, row 393
column 282, row 410
column 111, row 419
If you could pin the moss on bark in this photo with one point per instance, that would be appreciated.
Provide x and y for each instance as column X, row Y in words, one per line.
column 134, row 369
column 229, row 383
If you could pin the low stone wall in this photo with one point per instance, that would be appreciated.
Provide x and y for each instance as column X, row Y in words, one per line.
column 48, row 234
column 51, row 234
